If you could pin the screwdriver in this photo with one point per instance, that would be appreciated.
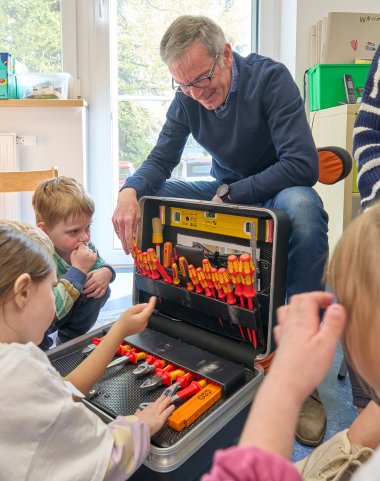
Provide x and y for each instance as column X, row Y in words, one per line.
column 246, row 270
column 151, row 256
column 194, row 279
column 233, row 270
column 206, row 267
column 167, row 253
column 140, row 260
column 157, row 237
column 163, row 272
column 183, row 267
column 176, row 279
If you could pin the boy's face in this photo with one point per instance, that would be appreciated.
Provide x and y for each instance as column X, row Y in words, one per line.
column 69, row 234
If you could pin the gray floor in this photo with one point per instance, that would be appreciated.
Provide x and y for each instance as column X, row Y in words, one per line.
column 335, row 394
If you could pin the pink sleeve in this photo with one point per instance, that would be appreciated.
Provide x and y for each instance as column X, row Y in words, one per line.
column 250, row 463
column 130, row 448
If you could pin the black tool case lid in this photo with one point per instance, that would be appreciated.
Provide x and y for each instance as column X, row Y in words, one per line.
column 209, row 323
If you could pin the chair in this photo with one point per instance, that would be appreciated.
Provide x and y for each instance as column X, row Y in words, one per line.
column 25, row 181
column 335, row 164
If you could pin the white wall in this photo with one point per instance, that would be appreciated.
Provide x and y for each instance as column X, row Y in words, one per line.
column 61, row 141
column 285, row 27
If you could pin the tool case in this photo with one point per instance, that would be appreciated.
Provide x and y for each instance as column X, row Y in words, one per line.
column 219, row 338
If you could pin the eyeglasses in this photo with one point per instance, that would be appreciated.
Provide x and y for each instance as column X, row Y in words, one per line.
column 200, row 83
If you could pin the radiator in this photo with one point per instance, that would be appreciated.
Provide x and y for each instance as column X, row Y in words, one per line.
column 9, row 203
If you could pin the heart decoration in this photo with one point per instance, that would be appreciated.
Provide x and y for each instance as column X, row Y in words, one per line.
column 354, row 44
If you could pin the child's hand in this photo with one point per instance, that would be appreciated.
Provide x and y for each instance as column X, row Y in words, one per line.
column 83, row 258
column 155, row 415
column 97, row 282
column 135, row 319
column 306, row 347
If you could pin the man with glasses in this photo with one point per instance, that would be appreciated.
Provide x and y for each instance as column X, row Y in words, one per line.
column 248, row 114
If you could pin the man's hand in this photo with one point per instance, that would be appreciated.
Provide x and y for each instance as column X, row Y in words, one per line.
column 126, row 217
column 97, row 282
column 83, row 258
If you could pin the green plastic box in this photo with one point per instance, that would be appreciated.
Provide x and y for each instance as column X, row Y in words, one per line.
column 325, row 81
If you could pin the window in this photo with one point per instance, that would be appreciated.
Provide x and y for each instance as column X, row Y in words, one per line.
column 30, row 30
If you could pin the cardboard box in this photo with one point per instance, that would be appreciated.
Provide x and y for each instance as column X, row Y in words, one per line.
column 8, row 88
column 325, row 81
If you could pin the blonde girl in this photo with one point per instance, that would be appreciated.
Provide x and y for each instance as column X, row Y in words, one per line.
column 44, row 433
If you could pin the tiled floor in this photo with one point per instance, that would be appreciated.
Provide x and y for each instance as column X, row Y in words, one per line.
column 120, row 299
column 335, row 394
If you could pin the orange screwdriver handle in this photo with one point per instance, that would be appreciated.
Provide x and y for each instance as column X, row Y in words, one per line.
column 167, row 253
column 162, row 271
column 176, row 279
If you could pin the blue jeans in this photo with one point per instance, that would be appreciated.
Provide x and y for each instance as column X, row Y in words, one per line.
column 308, row 243
column 78, row 321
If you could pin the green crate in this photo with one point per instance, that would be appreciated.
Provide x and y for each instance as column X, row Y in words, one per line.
column 325, row 81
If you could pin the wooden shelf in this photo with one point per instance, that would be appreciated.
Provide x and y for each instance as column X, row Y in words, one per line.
column 43, row 103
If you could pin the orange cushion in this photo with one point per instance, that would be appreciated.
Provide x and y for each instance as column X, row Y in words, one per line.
column 330, row 167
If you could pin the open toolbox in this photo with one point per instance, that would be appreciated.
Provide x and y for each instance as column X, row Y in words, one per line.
column 211, row 327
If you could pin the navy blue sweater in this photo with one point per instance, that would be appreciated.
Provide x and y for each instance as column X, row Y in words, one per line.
column 367, row 137
column 262, row 146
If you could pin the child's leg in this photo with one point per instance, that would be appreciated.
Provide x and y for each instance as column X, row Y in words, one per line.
column 81, row 318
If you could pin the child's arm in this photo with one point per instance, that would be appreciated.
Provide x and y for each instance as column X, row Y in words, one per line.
column 133, row 320
column 305, row 353
column 68, row 290
column 132, row 438
column 71, row 283
column 97, row 282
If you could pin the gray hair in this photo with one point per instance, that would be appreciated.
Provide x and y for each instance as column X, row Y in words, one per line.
column 187, row 30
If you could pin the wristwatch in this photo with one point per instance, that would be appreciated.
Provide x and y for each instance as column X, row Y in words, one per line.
column 223, row 192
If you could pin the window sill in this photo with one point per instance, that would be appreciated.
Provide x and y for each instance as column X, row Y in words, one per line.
column 43, row 103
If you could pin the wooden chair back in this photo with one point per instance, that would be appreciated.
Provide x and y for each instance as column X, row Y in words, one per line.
column 25, row 181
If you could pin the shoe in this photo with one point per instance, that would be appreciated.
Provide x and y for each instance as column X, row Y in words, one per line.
column 311, row 425
column 334, row 460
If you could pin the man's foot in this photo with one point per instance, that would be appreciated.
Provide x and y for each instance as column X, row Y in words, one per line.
column 335, row 459
column 311, row 425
